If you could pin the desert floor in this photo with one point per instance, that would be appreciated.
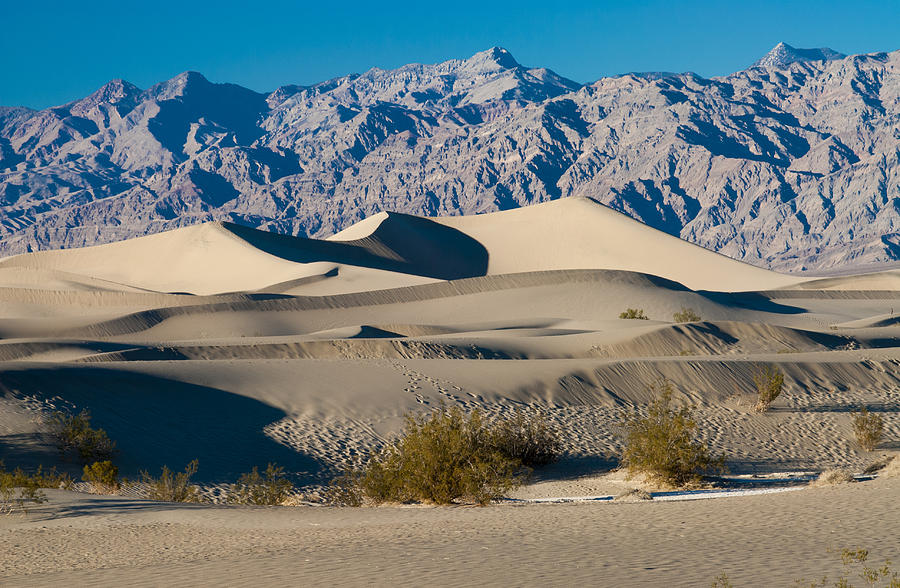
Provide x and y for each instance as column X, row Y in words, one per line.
column 238, row 348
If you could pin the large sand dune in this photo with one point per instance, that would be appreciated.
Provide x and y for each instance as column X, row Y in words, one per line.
column 239, row 347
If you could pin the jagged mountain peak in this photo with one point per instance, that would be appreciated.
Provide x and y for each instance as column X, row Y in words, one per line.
column 754, row 165
column 782, row 55
column 495, row 56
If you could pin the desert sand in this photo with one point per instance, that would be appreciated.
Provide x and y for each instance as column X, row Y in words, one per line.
column 239, row 347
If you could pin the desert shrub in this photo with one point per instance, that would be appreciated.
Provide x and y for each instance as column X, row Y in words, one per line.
column 661, row 444
column 722, row 581
column 868, row 428
column 441, row 458
column 530, row 440
column 173, row 487
column 103, row 476
column 345, row 489
column 634, row 313
column 73, row 433
column 686, row 315
column 271, row 488
column 855, row 560
column 634, row 495
column 769, row 381
column 833, row 477
column 17, row 489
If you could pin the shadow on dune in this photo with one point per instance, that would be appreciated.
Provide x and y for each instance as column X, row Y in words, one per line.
column 401, row 243
column 157, row 421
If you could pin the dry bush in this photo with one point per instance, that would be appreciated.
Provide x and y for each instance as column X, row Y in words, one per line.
column 769, row 381
column 73, row 433
column 635, row 314
column 269, row 489
column 686, row 315
column 172, row 487
column 529, row 439
column 833, row 477
column 855, row 560
column 18, row 489
column 868, row 428
column 103, row 476
column 661, row 445
column 722, row 581
column 442, row 458
column 633, row 495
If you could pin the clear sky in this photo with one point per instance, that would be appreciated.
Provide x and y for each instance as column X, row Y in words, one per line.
column 52, row 52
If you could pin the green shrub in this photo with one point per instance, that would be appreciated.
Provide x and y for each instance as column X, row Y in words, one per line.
column 269, row 489
column 686, row 315
column 443, row 458
column 868, row 428
column 18, row 488
column 103, row 476
column 634, row 313
column 73, row 433
column 530, row 440
column 769, row 381
column 172, row 487
column 661, row 445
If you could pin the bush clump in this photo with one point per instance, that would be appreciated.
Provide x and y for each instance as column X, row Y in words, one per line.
column 442, row 458
column 769, row 381
column 73, row 433
column 268, row 489
column 856, row 560
column 103, row 476
column 686, row 315
column 173, row 487
column 634, row 314
column 661, row 445
column 529, row 440
column 18, row 488
column 868, row 428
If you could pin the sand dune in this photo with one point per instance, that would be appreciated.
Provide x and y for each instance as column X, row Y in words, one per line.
column 238, row 348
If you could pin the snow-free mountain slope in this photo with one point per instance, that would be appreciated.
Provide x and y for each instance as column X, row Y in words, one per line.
column 789, row 165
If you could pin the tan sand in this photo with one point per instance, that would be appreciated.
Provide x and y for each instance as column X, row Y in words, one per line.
column 239, row 348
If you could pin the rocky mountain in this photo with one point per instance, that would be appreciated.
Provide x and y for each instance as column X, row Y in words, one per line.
column 792, row 163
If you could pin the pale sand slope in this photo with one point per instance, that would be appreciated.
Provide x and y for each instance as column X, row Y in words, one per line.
column 768, row 540
column 309, row 354
column 574, row 233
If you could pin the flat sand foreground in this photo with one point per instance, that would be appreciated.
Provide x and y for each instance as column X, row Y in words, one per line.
column 768, row 540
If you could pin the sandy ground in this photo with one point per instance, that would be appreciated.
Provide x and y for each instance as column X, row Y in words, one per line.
column 768, row 540
column 239, row 348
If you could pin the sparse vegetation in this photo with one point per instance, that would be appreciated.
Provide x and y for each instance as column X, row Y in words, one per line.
column 103, row 476
column 661, row 445
column 268, row 489
column 769, row 381
column 868, row 428
column 722, row 581
column 73, row 433
column 854, row 560
column 529, row 440
column 442, row 458
column 18, row 488
column 686, row 315
column 634, row 313
column 833, row 477
column 173, row 487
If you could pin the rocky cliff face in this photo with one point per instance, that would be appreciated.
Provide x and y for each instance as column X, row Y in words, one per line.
column 790, row 164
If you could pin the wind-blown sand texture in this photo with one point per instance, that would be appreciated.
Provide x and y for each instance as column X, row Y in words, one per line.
column 238, row 347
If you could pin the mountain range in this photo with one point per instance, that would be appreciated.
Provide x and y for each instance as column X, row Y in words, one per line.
column 791, row 164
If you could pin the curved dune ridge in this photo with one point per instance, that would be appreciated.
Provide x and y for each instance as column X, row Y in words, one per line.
column 580, row 233
column 387, row 250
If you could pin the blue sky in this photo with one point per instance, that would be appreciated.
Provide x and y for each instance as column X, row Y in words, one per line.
column 53, row 52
